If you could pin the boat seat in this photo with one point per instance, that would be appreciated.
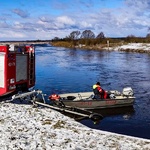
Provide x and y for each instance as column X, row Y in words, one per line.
column 71, row 97
column 97, row 97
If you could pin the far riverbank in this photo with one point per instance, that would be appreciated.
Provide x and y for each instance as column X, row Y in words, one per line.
column 130, row 47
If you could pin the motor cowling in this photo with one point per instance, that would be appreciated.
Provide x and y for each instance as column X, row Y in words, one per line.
column 128, row 91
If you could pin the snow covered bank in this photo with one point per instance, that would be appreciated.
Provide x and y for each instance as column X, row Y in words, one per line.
column 28, row 128
column 133, row 47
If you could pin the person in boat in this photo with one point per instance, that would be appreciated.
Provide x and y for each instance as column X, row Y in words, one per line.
column 99, row 92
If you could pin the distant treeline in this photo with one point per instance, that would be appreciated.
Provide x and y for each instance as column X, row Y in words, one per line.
column 66, row 42
column 88, row 38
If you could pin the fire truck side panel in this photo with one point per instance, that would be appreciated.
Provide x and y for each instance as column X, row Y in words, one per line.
column 17, row 68
column 3, row 71
column 2, row 75
column 21, row 68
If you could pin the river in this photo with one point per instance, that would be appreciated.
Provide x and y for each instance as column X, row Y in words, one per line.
column 62, row 70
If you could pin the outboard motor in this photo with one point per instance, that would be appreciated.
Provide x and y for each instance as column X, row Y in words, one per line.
column 127, row 91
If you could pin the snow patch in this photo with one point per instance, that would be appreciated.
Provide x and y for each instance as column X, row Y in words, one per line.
column 28, row 128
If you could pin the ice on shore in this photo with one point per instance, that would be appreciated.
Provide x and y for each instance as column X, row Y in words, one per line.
column 24, row 127
column 133, row 46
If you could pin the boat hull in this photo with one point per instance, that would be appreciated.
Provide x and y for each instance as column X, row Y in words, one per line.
column 96, row 104
column 83, row 100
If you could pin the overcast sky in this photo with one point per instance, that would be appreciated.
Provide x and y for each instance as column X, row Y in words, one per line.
column 46, row 19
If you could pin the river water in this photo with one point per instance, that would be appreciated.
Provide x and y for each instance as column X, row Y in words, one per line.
column 61, row 70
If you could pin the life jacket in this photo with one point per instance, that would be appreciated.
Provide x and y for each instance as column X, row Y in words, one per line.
column 54, row 97
column 95, row 89
column 105, row 95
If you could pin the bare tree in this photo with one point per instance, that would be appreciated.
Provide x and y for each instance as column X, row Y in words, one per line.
column 100, row 35
column 148, row 35
column 88, row 34
column 74, row 35
column 131, row 36
column 55, row 38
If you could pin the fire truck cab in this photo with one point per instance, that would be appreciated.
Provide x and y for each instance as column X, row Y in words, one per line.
column 17, row 68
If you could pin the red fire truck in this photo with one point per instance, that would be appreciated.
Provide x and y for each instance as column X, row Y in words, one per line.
column 17, row 68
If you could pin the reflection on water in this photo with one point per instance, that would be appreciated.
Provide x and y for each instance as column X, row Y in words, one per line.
column 125, row 111
column 61, row 70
